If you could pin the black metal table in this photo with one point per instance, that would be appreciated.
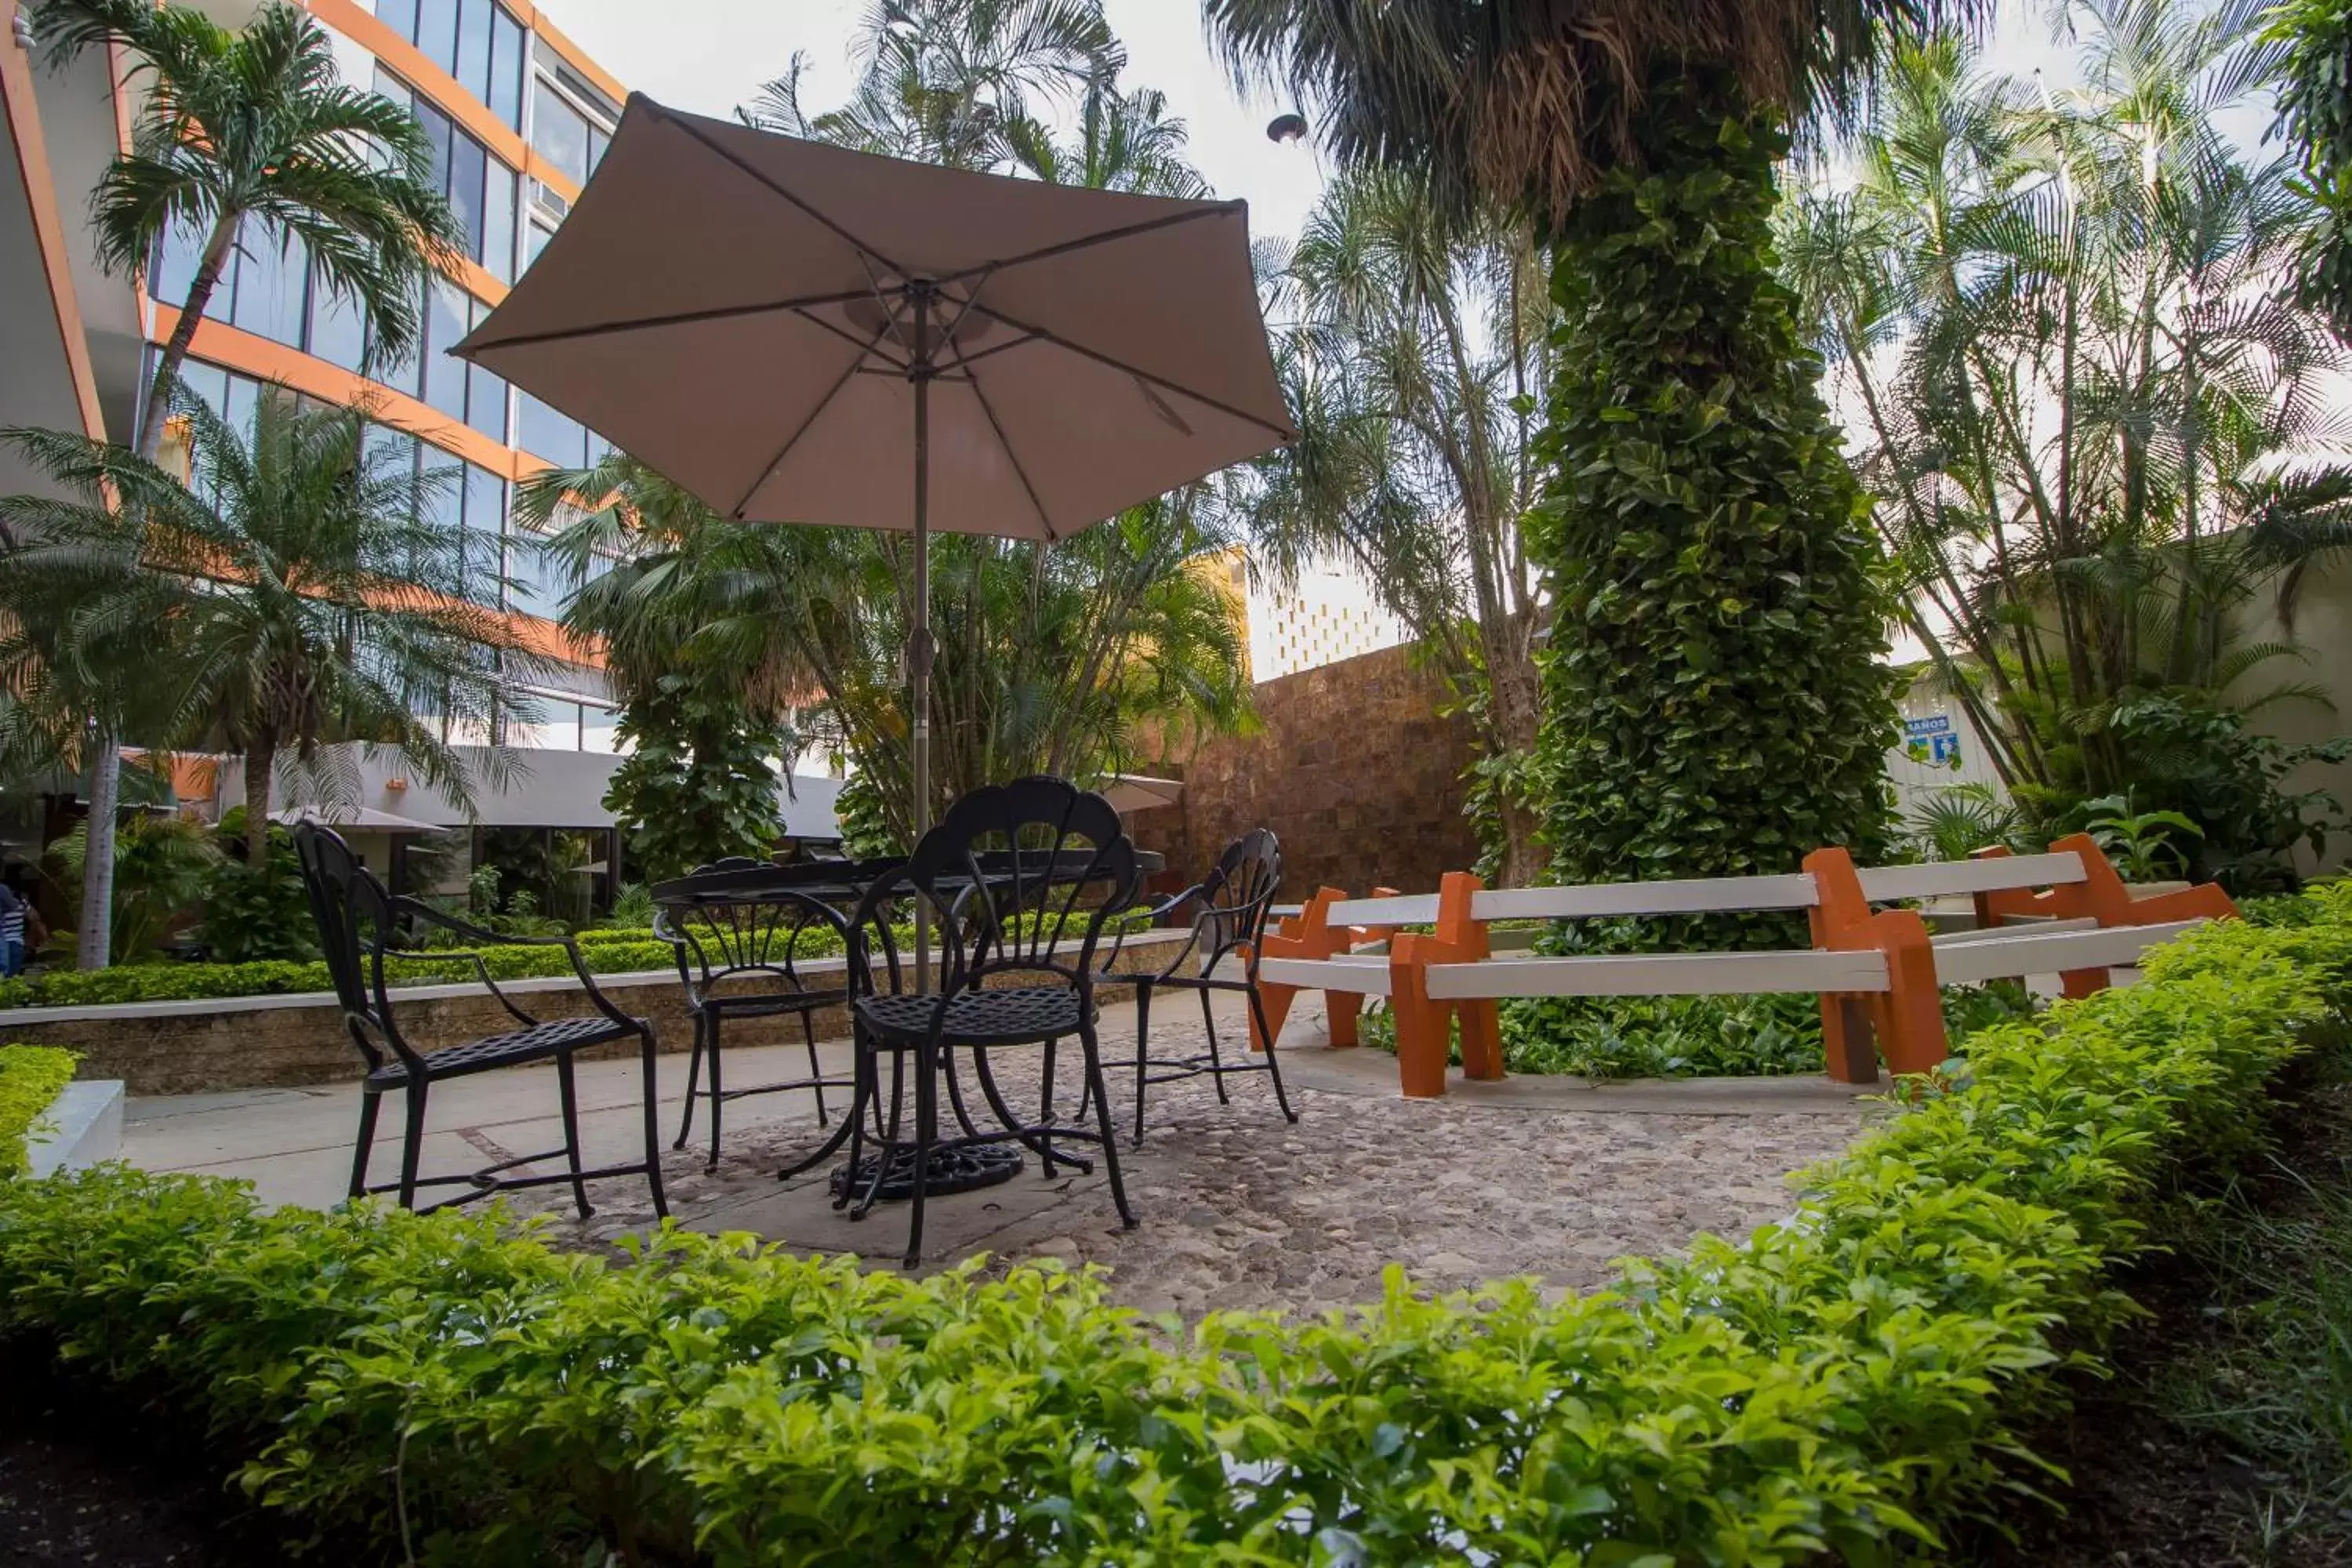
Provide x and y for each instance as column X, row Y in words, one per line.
column 845, row 884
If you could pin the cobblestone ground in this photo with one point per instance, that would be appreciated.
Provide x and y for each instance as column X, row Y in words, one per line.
column 1239, row 1208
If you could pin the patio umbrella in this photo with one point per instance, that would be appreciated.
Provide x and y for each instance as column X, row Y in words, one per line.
column 800, row 333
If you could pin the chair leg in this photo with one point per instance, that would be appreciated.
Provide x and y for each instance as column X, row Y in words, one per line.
column 653, row 1125
column 570, row 1093
column 1045, row 1105
column 370, row 1105
column 412, row 1143
column 1273, row 1057
column 693, row 1077
column 1142, row 1050
column 927, row 1119
column 817, row 1073
column 1216, row 1062
column 861, row 1069
column 718, row 1100
column 1102, row 1122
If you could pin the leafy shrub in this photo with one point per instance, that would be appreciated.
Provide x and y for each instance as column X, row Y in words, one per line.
column 30, row 1077
column 192, row 981
column 256, row 914
column 1833, row 1387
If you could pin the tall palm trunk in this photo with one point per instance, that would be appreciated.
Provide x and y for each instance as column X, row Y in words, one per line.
column 259, row 758
column 94, row 940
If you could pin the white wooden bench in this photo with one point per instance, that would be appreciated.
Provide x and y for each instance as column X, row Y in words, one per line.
column 1878, row 971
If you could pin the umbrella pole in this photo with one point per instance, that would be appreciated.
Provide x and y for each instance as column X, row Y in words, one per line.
column 919, row 640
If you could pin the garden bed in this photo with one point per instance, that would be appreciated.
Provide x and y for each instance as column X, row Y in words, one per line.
column 1853, row 1383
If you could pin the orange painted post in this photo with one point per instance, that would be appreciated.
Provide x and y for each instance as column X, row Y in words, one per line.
column 1908, row 1018
column 1307, row 934
column 2105, row 897
column 1421, row 1022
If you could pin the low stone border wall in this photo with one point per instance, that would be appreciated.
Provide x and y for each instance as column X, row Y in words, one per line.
column 277, row 1042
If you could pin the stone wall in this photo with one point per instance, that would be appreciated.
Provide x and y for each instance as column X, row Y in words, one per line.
column 267, row 1042
column 1353, row 770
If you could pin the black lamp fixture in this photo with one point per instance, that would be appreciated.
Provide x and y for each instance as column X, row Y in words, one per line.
column 1287, row 127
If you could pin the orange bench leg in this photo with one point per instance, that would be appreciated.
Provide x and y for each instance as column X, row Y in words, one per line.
column 1276, row 1001
column 1341, row 1010
column 1482, row 1039
column 1421, row 1039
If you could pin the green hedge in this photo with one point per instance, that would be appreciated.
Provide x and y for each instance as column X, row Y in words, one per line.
column 30, row 1077
column 1842, row 1385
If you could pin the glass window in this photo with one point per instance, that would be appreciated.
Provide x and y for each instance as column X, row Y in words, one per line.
column 559, row 132
column 534, row 591
column 596, row 727
column 551, row 434
column 270, row 284
column 447, row 312
column 337, row 331
column 436, row 32
column 473, row 71
column 208, row 382
column 497, row 220
column 441, row 492
column 243, row 397
column 506, row 68
column 399, row 16
column 390, row 86
column 174, row 271
column 485, row 403
column 486, row 514
column 597, row 142
column 465, row 160
column 536, row 241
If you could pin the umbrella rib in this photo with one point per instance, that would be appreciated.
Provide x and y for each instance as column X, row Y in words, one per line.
column 872, row 346
column 1284, row 431
column 846, row 238
column 1129, row 231
column 795, row 438
column 800, row 303
column 1014, row 458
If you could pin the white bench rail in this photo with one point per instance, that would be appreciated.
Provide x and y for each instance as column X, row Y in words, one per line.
column 1942, row 879
column 1660, row 974
column 2038, row 952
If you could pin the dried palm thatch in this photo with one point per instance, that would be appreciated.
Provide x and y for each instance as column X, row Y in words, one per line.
column 1531, row 102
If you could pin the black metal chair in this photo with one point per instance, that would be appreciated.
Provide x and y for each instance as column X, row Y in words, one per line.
column 360, row 926
column 1011, row 873
column 1235, row 901
column 738, row 955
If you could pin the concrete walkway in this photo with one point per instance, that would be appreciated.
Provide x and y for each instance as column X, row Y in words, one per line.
column 1545, row 1177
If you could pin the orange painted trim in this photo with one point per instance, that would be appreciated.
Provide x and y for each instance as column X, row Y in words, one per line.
column 409, row 63
column 553, row 178
column 237, row 350
column 573, row 55
column 48, row 230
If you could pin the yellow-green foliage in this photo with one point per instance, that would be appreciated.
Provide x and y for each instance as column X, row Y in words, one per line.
column 30, row 1077
column 1844, row 1385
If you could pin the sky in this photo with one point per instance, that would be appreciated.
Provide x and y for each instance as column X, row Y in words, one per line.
column 709, row 56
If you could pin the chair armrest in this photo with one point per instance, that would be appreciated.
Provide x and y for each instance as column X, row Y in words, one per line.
column 597, row 996
column 1155, row 914
column 481, row 973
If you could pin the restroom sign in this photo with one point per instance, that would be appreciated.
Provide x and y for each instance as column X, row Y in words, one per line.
column 1932, row 742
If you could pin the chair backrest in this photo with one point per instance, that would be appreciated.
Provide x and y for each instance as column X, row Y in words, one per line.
column 743, row 941
column 354, row 916
column 1237, row 896
column 1009, row 875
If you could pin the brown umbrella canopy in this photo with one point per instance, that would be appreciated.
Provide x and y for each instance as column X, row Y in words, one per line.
column 751, row 315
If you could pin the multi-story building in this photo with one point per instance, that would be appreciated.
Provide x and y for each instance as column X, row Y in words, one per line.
column 518, row 118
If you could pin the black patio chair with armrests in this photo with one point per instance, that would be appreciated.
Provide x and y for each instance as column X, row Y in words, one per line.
column 739, row 957
column 1233, row 902
column 360, row 925
column 1007, row 878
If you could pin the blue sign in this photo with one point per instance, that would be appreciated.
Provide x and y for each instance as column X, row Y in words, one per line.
column 1931, row 741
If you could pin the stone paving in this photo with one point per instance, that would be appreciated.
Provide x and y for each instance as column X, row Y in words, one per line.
column 1240, row 1209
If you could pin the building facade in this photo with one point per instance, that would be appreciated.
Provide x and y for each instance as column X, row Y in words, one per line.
column 518, row 118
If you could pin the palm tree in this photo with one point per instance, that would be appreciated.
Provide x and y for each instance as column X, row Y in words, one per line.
column 940, row 81
column 250, row 125
column 1072, row 659
column 2316, row 113
column 1124, row 141
column 1714, row 699
column 2093, row 422
column 1409, row 344
column 293, row 593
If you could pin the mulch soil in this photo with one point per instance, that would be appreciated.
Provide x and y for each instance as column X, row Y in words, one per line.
column 88, row 1477
column 2144, row 1492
